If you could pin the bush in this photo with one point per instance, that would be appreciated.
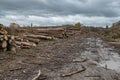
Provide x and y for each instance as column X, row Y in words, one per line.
column 78, row 25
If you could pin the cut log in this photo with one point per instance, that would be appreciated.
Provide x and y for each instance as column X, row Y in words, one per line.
column 41, row 37
column 1, row 38
column 5, row 37
column 17, row 38
column 10, row 41
column 26, row 43
column 4, row 44
column 33, row 40
column 3, row 32
column 11, row 37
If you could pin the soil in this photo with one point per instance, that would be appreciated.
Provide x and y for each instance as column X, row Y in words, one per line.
column 73, row 58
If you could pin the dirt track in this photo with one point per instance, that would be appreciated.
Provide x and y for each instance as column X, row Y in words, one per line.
column 75, row 58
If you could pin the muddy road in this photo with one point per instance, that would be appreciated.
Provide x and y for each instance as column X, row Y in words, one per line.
column 75, row 58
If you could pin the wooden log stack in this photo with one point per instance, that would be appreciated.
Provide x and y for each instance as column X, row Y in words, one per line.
column 7, row 42
column 30, row 40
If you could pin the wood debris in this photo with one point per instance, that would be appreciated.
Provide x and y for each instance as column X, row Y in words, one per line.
column 74, row 72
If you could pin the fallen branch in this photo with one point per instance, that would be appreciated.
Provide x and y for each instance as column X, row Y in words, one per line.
column 75, row 72
column 38, row 75
column 16, row 69
column 93, row 76
column 84, row 60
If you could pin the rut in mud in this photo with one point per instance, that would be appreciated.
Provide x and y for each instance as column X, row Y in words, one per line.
column 72, row 59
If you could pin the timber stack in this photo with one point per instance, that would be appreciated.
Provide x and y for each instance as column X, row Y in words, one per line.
column 7, row 42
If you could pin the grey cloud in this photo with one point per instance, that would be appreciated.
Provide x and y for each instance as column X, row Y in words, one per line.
column 60, row 7
column 51, row 8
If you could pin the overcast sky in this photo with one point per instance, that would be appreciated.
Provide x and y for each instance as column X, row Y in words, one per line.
column 58, row 12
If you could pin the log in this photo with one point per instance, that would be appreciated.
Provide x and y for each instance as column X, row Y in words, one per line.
column 17, row 38
column 3, row 32
column 18, row 43
column 33, row 40
column 4, row 44
column 10, row 41
column 5, row 37
column 12, row 37
column 1, row 38
column 26, row 43
column 40, row 37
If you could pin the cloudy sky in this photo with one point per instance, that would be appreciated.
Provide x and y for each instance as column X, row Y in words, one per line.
column 59, row 12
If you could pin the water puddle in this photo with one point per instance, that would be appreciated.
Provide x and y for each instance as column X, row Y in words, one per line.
column 113, row 63
column 108, row 57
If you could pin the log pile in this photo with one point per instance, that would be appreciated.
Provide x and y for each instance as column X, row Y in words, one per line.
column 55, row 32
column 26, row 40
column 30, row 40
column 7, row 42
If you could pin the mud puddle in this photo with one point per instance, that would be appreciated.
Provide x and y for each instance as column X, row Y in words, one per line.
column 113, row 63
column 106, row 56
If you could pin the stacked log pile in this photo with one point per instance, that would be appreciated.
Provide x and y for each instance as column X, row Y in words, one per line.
column 7, row 42
column 54, row 32
column 30, row 40
column 26, row 40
